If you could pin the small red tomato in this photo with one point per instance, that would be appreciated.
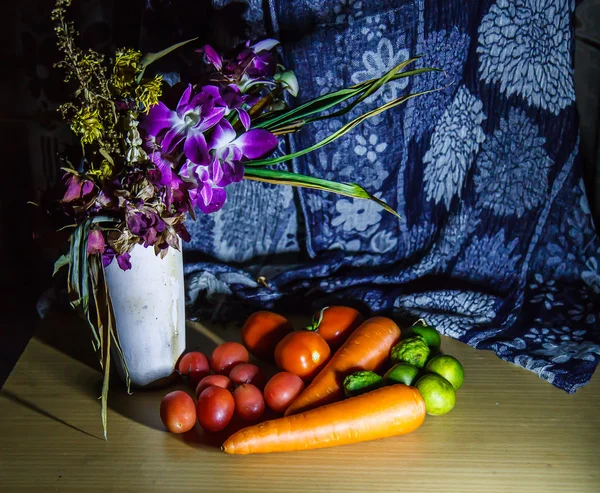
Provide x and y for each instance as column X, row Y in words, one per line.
column 282, row 389
column 217, row 380
column 178, row 411
column 262, row 331
column 226, row 356
column 195, row 366
column 215, row 408
column 249, row 402
column 247, row 373
column 303, row 353
column 336, row 323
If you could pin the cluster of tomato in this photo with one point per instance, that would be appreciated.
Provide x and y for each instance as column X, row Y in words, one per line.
column 239, row 387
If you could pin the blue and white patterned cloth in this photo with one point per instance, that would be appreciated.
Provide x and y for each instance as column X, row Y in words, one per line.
column 498, row 248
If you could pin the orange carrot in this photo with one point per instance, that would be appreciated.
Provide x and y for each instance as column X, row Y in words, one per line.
column 366, row 349
column 385, row 412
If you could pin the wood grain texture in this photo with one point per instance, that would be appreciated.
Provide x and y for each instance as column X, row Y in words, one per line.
column 510, row 431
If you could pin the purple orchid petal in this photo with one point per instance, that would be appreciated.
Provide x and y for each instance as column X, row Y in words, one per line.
column 195, row 147
column 265, row 44
column 216, row 171
column 165, row 167
column 212, row 57
column 184, row 101
column 256, row 143
column 233, row 172
column 96, row 242
column 172, row 139
column 244, row 118
column 223, row 134
column 218, row 197
column 214, row 92
column 159, row 118
column 124, row 261
column 210, row 120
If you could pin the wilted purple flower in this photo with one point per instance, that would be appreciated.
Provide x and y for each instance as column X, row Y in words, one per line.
column 124, row 260
column 96, row 242
column 145, row 223
column 76, row 188
column 187, row 124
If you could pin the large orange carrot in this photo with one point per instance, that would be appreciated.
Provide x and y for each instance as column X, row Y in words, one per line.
column 382, row 413
column 366, row 349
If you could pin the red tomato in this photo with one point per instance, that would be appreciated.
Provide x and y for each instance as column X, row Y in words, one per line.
column 226, row 356
column 282, row 389
column 215, row 408
column 262, row 331
column 195, row 366
column 303, row 353
column 217, row 380
column 247, row 373
column 178, row 411
column 249, row 402
column 336, row 323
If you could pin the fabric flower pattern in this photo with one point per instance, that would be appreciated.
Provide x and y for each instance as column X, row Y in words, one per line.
column 513, row 166
column 525, row 46
column 356, row 214
column 455, row 140
column 447, row 49
column 378, row 62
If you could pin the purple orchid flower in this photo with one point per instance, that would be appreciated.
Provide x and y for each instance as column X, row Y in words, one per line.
column 229, row 149
column 232, row 98
column 76, row 188
column 186, row 124
column 96, row 242
column 207, row 194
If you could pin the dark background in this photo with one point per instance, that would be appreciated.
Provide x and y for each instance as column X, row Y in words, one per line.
column 31, row 135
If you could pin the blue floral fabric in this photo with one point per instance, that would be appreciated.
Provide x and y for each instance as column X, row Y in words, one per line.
column 497, row 248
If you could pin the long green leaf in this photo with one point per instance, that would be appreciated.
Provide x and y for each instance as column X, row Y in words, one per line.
column 297, row 180
column 327, row 101
column 149, row 58
column 61, row 262
column 336, row 135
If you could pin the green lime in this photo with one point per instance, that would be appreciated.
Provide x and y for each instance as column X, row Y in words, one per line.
column 438, row 393
column 431, row 336
column 448, row 367
column 413, row 350
column 402, row 373
column 360, row 382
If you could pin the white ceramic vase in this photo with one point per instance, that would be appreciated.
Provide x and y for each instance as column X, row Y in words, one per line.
column 149, row 306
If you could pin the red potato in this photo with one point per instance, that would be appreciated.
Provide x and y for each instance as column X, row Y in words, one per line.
column 249, row 402
column 226, row 356
column 216, row 380
column 195, row 366
column 282, row 389
column 215, row 408
column 178, row 412
column 247, row 373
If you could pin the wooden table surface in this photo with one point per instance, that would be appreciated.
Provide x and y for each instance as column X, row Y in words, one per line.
column 510, row 431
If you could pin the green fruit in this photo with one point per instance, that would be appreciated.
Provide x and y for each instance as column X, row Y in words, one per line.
column 360, row 382
column 438, row 394
column 431, row 336
column 448, row 367
column 402, row 373
column 413, row 350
